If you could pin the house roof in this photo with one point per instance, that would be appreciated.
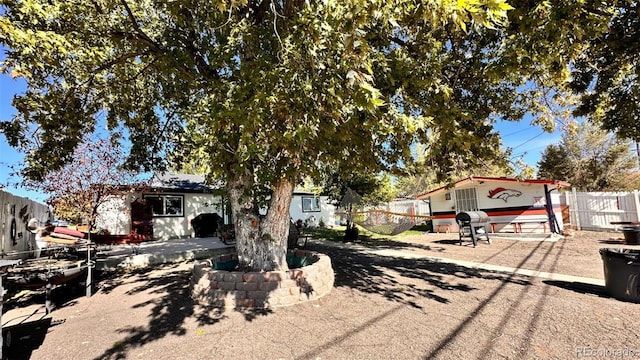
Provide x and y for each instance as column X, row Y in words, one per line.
column 181, row 183
column 557, row 183
column 194, row 183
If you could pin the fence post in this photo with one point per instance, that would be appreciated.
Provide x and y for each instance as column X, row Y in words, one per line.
column 636, row 199
column 574, row 206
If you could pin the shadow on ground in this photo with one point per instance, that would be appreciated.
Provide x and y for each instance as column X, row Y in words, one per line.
column 394, row 277
column 22, row 339
column 408, row 281
column 412, row 282
column 579, row 287
column 398, row 245
column 168, row 310
column 612, row 241
column 27, row 331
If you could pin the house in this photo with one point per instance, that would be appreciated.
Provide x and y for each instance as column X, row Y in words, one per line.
column 517, row 206
column 312, row 209
column 165, row 209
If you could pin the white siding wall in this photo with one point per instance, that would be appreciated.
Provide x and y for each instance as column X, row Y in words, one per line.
column 115, row 215
column 531, row 195
column 327, row 211
column 180, row 226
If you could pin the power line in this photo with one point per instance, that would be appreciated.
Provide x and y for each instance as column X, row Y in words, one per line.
column 542, row 132
column 529, row 150
column 516, row 132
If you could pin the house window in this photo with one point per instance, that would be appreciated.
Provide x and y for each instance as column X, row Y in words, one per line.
column 166, row 205
column 539, row 201
column 310, row 204
column 466, row 200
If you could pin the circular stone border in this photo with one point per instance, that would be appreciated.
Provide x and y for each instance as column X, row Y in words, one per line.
column 235, row 289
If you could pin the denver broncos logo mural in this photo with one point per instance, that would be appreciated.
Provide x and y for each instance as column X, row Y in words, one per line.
column 504, row 194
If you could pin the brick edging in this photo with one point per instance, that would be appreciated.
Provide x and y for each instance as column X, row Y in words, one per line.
column 234, row 289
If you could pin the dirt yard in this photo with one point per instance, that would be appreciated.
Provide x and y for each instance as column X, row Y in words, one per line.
column 380, row 308
column 574, row 255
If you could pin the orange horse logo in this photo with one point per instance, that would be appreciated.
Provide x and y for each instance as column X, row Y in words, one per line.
column 504, row 194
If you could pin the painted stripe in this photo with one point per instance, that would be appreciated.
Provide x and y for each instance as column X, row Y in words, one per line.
column 517, row 212
column 497, row 212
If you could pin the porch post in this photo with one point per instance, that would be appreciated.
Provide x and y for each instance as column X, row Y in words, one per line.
column 553, row 223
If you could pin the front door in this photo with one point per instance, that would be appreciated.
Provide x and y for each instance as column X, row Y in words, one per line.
column 141, row 218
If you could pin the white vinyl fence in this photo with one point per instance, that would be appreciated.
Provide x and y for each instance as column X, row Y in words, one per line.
column 602, row 210
column 16, row 241
column 409, row 207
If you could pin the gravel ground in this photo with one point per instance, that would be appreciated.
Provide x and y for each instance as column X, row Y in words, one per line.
column 380, row 308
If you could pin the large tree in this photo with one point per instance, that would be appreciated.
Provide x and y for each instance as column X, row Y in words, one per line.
column 590, row 159
column 607, row 73
column 259, row 93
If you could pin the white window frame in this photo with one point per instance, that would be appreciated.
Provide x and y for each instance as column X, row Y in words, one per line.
column 165, row 198
column 314, row 202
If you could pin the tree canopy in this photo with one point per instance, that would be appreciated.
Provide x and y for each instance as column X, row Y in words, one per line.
column 607, row 73
column 259, row 93
column 590, row 159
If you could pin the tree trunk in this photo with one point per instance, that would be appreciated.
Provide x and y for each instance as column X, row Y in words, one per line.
column 261, row 243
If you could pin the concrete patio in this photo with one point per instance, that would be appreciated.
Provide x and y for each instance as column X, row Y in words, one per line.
column 113, row 257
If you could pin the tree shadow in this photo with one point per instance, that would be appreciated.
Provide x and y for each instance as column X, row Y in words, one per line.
column 408, row 281
column 511, row 312
column 392, row 244
column 168, row 311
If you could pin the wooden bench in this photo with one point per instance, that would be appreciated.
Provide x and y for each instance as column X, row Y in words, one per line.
column 447, row 228
column 517, row 225
column 494, row 223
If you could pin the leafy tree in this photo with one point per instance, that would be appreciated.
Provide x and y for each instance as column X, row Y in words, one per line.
column 420, row 177
column 607, row 72
column 590, row 159
column 258, row 93
column 374, row 189
column 553, row 163
column 78, row 189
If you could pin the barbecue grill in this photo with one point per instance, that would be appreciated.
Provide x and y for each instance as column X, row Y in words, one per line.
column 473, row 224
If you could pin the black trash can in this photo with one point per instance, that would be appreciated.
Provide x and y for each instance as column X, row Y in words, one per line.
column 622, row 273
column 631, row 235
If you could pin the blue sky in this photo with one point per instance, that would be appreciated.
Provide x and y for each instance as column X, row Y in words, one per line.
column 527, row 141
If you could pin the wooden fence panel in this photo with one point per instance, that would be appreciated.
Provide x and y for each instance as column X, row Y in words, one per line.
column 21, row 242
